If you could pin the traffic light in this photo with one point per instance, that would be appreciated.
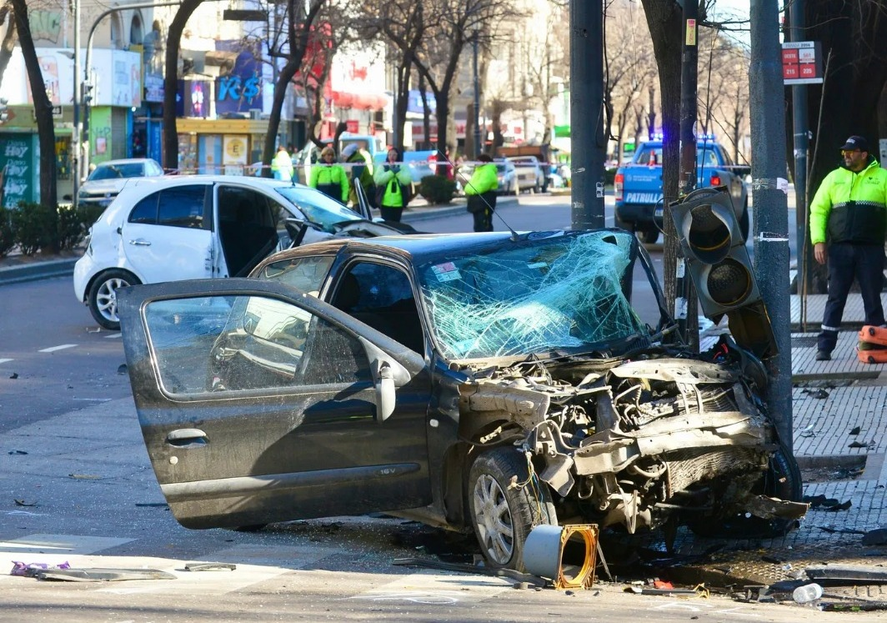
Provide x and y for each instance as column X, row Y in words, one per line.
column 4, row 112
column 717, row 261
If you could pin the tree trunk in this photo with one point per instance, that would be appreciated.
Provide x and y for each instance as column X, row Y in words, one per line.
column 42, row 107
column 664, row 20
column 171, row 83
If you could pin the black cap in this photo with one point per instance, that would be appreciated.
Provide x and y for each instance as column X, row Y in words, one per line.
column 856, row 142
column 484, row 158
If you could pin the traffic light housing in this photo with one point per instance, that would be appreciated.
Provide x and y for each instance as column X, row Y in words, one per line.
column 718, row 263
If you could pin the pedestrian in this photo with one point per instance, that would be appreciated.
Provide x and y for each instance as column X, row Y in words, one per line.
column 282, row 165
column 481, row 193
column 392, row 178
column 329, row 177
column 848, row 221
column 360, row 164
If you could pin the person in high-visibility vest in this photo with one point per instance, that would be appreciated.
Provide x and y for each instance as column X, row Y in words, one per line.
column 848, row 222
column 282, row 165
column 329, row 177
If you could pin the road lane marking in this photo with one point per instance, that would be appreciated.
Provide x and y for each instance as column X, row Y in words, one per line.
column 437, row 589
column 52, row 349
column 58, row 545
column 6, row 360
column 113, row 336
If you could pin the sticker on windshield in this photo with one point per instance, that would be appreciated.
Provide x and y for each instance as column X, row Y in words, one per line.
column 446, row 272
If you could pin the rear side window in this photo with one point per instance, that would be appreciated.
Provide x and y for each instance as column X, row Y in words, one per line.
column 174, row 207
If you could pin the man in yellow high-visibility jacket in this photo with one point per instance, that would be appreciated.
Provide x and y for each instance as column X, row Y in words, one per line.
column 848, row 222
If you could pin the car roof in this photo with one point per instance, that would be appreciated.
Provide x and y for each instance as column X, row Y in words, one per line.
column 124, row 161
column 416, row 247
column 175, row 180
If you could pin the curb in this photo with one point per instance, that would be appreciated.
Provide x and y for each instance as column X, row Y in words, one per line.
column 37, row 271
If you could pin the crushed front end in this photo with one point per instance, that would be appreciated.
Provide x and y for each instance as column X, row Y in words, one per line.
column 638, row 442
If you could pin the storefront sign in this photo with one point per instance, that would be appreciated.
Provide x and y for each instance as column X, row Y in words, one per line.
column 234, row 154
column 801, row 62
column 17, row 170
column 240, row 90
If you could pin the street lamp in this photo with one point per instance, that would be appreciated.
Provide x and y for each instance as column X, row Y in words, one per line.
column 478, row 148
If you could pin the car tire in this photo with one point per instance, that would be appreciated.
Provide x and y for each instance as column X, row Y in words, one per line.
column 506, row 502
column 783, row 480
column 649, row 235
column 102, row 297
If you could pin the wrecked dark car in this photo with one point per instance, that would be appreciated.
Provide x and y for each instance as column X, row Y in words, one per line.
column 486, row 382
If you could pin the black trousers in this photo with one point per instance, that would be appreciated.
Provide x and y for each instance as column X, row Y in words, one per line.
column 391, row 214
column 865, row 263
column 481, row 208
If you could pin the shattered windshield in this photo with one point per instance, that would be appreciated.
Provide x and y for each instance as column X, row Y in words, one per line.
column 532, row 296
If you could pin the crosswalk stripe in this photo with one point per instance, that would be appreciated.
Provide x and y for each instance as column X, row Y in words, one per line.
column 52, row 349
column 436, row 588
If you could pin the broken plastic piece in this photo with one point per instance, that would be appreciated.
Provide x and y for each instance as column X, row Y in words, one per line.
column 210, row 566
column 103, row 575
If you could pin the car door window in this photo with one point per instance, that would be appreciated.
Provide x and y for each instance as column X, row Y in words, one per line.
column 145, row 211
column 182, row 206
column 248, row 344
column 305, row 273
column 382, row 297
column 247, row 227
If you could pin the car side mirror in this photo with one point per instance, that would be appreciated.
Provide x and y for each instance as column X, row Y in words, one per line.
column 385, row 394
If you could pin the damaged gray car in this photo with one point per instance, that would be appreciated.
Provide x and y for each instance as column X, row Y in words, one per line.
column 486, row 382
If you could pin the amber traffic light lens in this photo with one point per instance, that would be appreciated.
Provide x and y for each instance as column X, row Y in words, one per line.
column 729, row 283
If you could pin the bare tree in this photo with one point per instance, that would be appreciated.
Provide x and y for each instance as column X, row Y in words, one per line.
column 42, row 106
column 664, row 19
column 629, row 68
column 300, row 22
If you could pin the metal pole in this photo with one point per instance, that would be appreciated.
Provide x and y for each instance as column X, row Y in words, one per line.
column 801, row 146
column 587, row 113
column 75, row 133
column 685, row 306
column 770, row 203
column 478, row 147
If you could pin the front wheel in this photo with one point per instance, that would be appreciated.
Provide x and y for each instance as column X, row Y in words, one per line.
column 102, row 297
column 506, row 502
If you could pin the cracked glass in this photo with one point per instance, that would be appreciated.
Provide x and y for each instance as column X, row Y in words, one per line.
column 536, row 294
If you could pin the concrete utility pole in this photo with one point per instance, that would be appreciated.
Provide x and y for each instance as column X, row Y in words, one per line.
column 587, row 112
column 770, row 202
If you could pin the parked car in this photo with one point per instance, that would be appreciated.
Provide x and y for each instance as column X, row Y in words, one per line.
column 188, row 227
column 108, row 179
column 487, row 382
column 528, row 172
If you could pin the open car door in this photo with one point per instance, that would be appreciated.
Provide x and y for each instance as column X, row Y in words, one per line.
column 259, row 403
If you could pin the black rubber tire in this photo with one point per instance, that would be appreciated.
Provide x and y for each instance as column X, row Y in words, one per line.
column 783, row 481
column 102, row 296
column 649, row 235
column 518, row 509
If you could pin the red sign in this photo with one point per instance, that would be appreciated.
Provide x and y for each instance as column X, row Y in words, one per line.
column 352, row 125
column 801, row 62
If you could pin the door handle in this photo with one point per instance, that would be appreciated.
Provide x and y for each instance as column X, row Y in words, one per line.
column 184, row 437
column 140, row 242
